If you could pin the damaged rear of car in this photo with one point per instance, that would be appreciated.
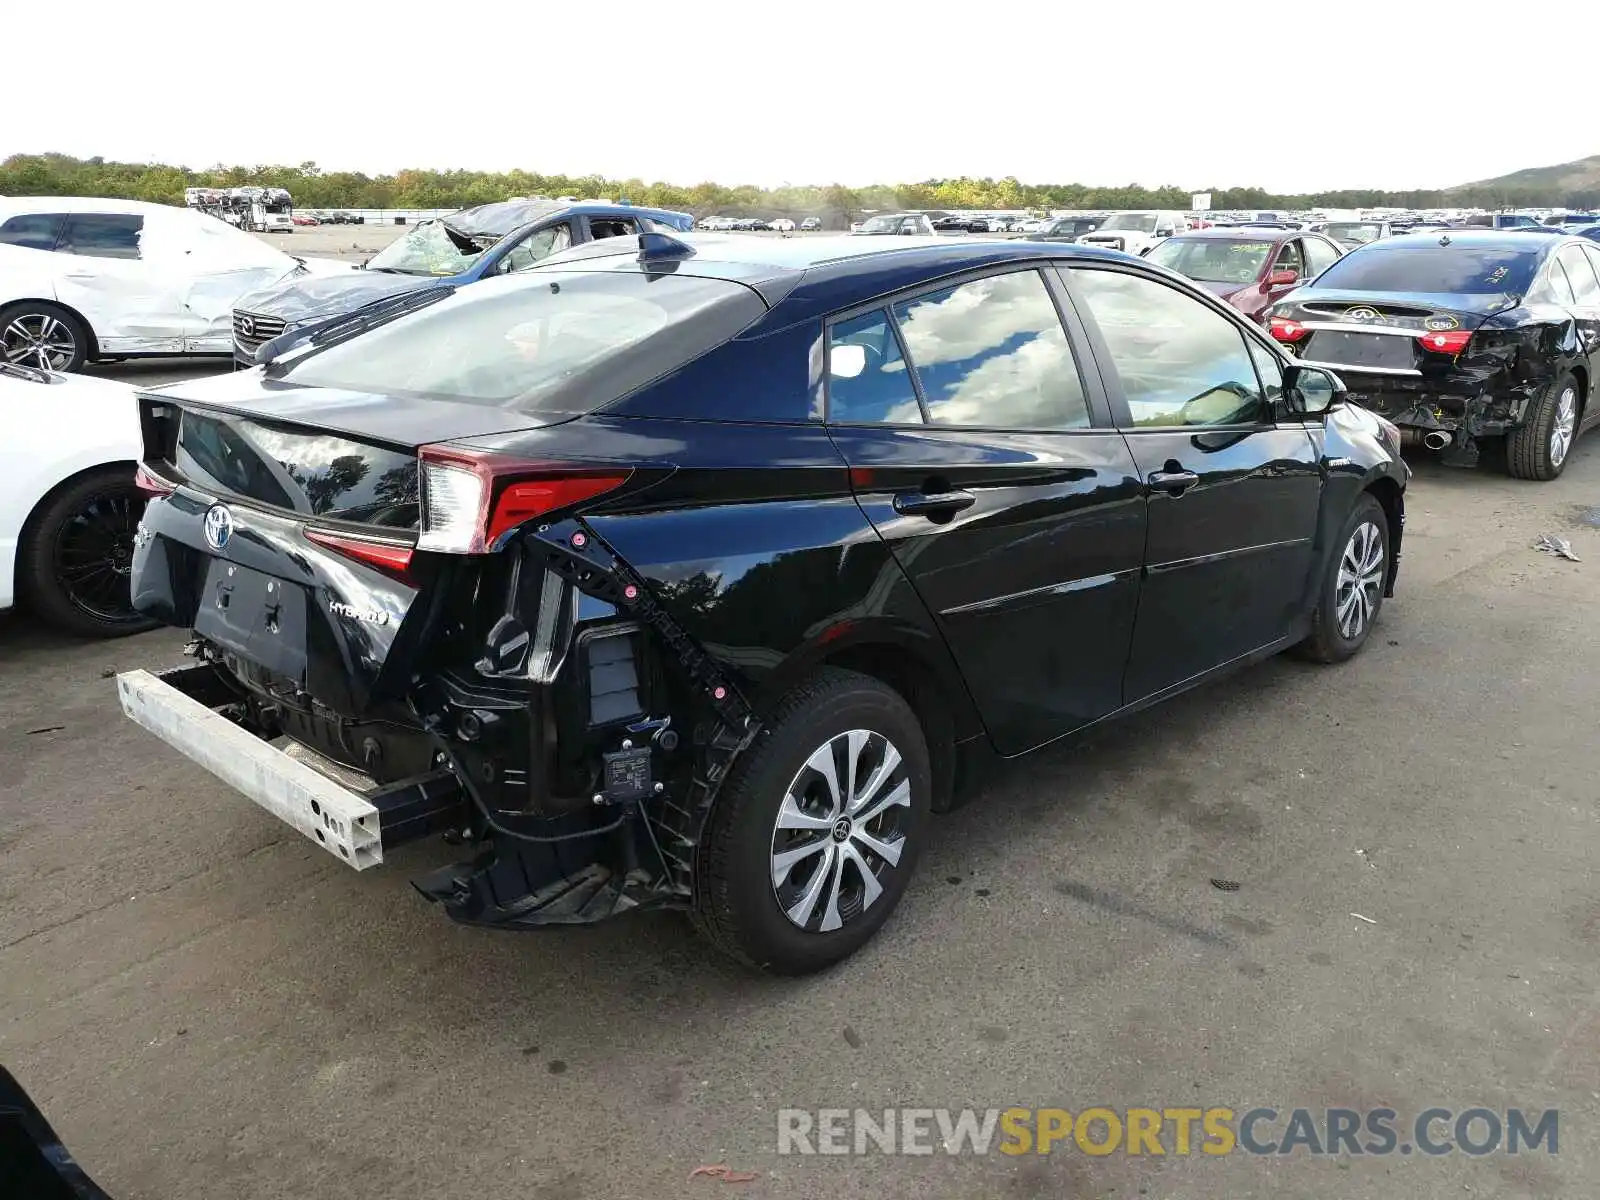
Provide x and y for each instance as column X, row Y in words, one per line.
column 431, row 592
column 1462, row 338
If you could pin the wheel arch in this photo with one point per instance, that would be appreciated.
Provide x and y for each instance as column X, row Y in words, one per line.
column 911, row 663
column 92, row 351
column 1386, row 490
column 36, row 513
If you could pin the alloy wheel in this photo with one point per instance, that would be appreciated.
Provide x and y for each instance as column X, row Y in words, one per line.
column 1562, row 427
column 838, row 834
column 94, row 556
column 38, row 339
column 1360, row 582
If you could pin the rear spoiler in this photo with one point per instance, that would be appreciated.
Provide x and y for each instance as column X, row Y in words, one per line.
column 33, row 1162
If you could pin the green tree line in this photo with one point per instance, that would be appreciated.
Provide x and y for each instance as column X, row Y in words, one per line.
column 61, row 175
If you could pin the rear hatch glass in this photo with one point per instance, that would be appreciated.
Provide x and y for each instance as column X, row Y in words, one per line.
column 302, row 471
column 546, row 342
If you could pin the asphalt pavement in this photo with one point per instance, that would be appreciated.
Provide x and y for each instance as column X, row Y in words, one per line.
column 207, row 1005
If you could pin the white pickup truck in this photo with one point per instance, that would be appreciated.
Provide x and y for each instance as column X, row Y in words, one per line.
column 1135, row 232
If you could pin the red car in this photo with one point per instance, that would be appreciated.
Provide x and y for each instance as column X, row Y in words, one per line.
column 1249, row 266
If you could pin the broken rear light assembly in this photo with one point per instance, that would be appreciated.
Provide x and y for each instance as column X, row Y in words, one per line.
column 1285, row 330
column 151, row 484
column 1449, row 341
column 471, row 500
column 393, row 557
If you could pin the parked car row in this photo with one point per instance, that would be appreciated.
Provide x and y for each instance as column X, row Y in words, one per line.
column 464, row 247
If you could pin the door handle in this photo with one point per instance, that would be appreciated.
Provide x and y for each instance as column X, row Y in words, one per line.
column 1173, row 482
column 932, row 504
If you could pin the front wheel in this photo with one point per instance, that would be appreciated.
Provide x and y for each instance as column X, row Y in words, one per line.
column 816, row 831
column 1353, row 586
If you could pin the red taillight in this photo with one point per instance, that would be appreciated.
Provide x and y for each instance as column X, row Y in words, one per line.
column 470, row 499
column 1449, row 341
column 1286, row 330
column 151, row 484
column 386, row 556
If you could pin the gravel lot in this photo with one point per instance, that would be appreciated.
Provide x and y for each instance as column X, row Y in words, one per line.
column 206, row 1005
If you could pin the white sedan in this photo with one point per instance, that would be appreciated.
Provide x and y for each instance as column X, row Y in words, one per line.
column 69, row 446
column 84, row 279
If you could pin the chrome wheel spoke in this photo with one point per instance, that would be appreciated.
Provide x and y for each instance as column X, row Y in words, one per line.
column 888, row 851
column 885, row 768
column 784, row 862
column 790, row 816
column 822, row 763
column 899, row 794
column 871, row 889
column 802, row 909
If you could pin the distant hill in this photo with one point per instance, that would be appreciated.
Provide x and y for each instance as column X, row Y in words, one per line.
column 1580, row 175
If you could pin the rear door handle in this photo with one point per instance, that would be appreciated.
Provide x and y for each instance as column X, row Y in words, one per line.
column 932, row 504
column 1175, row 482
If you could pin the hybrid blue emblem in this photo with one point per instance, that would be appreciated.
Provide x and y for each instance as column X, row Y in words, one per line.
column 218, row 526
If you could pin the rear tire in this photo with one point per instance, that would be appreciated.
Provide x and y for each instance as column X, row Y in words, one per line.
column 793, row 874
column 76, row 553
column 1352, row 587
column 1540, row 447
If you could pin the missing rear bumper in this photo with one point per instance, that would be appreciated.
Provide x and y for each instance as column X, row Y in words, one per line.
column 193, row 711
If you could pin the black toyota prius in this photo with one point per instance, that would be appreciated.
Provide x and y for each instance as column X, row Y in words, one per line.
column 1463, row 339
column 693, row 573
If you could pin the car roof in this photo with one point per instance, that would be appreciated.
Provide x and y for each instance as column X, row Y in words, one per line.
column 825, row 273
column 506, row 216
column 1473, row 238
column 13, row 205
column 1239, row 233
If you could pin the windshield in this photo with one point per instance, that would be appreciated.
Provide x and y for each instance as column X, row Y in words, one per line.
column 1360, row 232
column 568, row 343
column 1213, row 260
column 1134, row 222
column 429, row 249
column 1431, row 268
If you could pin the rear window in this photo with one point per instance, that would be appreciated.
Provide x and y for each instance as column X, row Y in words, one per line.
column 1445, row 270
column 546, row 342
column 315, row 473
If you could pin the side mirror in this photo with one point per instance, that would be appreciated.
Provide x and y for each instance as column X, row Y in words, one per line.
column 1282, row 278
column 1311, row 391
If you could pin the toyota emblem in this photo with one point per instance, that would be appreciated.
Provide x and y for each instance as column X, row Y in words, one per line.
column 218, row 526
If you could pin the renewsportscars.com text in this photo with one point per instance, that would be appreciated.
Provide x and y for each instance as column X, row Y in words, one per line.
column 1100, row 1130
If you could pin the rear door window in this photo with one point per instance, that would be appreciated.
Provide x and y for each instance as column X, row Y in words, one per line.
column 868, row 382
column 102, row 235
column 993, row 353
column 1585, row 287
column 33, row 231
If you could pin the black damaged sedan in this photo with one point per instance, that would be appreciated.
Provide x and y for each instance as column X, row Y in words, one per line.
column 695, row 573
column 1463, row 339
